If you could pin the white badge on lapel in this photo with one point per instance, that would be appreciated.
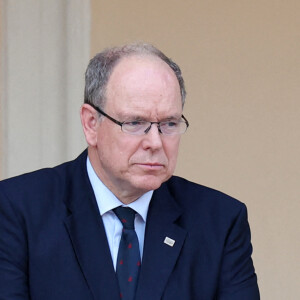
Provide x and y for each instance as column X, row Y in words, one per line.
column 168, row 241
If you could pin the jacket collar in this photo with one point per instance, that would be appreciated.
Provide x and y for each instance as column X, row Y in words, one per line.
column 160, row 254
column 87, row 234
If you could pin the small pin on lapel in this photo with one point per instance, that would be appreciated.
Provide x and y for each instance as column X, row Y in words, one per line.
column 169, row 242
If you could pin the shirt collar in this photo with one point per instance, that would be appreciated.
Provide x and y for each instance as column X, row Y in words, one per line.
column 107, row 201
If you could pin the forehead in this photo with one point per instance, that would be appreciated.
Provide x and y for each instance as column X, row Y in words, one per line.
column 143, row 82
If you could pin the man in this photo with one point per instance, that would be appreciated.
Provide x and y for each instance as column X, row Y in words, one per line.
column 62, row 233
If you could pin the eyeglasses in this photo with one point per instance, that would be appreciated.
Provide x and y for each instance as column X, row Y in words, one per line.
column 143, row 127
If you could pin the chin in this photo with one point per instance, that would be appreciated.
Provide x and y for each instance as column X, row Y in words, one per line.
column 150, row 182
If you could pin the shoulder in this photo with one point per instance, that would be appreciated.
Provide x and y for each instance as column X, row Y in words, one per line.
column 40, row 184
column 198, row 198
column 182, row 188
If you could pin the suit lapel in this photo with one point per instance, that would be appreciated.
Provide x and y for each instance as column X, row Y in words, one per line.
column 87, row 233
column 160, row 258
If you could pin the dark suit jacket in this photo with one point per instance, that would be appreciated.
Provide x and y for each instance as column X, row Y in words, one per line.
column 53, row 243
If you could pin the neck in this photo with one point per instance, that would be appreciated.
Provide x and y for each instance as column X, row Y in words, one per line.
column 122, row 194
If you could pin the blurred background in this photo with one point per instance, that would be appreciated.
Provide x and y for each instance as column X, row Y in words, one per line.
column 241, row 64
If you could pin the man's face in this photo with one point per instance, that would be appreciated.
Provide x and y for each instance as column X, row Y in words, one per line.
column 139, row 88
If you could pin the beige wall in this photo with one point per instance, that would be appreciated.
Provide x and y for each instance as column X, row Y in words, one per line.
column 44, row 54
column 241, row 61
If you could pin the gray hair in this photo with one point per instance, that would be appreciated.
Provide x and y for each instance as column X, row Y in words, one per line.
column 101, row 66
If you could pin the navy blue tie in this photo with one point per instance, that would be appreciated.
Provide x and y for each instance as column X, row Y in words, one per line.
column 129, row 259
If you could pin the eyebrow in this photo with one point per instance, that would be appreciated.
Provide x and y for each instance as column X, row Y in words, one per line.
column 127, row 118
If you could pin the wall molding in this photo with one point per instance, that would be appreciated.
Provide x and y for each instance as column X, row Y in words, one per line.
column 45, row 52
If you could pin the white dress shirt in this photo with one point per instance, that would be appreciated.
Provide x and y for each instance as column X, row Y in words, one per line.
column 107, row 201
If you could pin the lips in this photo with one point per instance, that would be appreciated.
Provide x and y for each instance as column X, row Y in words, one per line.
column 151, row 166
column 151, row 163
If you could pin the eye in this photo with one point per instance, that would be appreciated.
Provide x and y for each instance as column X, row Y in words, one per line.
column 135, row 123
column 170, row 124
column 134, row 127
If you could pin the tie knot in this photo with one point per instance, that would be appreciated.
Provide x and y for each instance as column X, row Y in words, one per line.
column 126, row 216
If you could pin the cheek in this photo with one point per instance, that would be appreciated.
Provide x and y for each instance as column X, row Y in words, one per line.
column 171, row 151
column 119, row 150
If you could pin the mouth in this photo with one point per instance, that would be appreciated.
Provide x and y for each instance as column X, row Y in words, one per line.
column 151, row 166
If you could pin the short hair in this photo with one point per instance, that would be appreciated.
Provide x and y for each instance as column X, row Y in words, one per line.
column 102, row 65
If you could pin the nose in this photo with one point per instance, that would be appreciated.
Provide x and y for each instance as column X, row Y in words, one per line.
column 158, row 127
column 152, row 138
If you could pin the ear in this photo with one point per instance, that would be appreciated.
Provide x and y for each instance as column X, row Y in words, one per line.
column 89, row 120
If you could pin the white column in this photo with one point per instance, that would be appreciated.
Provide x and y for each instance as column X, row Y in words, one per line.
column 45, row 53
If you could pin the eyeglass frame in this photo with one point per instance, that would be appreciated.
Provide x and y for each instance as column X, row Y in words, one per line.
column 146, row 131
